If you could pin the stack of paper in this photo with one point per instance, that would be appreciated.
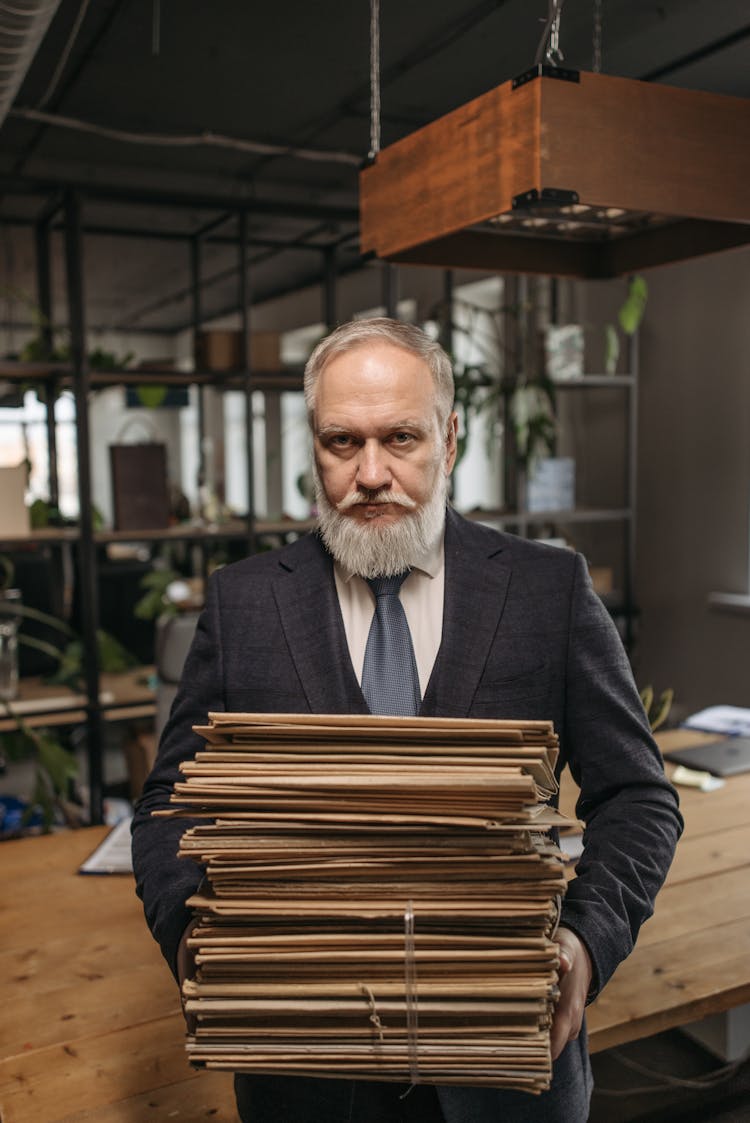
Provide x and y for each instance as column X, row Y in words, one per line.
column 380, row 897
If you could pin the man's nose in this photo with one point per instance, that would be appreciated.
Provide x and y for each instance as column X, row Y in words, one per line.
column 372, row 469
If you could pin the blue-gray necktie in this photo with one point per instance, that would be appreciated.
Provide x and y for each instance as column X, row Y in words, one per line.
column 390, row 681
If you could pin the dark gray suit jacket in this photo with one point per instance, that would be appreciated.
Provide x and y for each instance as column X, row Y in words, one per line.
column 524, row 636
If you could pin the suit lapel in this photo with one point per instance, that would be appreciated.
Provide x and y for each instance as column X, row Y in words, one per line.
column 477, row 575
column 305, row 595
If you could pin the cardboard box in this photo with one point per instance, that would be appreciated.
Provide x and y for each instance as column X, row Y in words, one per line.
column 221, row 351
column 14, row 514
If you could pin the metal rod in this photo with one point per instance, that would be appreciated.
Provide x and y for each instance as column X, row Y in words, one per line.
column 330, row 278
column 390, row 289
column 196, row 316
column 44, row 301
column 632, row 493
column 446, row 319
column 244, row 299
column 150, row 234
column 86, row 546
column 197, row 313
column 512, row 479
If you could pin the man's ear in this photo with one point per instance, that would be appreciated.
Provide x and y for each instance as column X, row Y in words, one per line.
column 451, row 443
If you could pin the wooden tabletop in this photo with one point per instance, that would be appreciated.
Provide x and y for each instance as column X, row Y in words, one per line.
column 91, row 1026
column 92, row 1029
column 693, row 956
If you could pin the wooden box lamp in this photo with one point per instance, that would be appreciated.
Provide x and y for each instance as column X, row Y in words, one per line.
column 564, row 173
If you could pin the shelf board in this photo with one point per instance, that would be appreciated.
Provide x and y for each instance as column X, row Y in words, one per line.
column 259, row 379
column 596, row 382
column 577, row 515
column 47, row 535
column 236, row 528
column 731, row 602
column 288, row 379
column 16, row 371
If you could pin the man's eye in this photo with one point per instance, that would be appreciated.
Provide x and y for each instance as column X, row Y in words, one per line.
column 340, row 440
column 402, row 438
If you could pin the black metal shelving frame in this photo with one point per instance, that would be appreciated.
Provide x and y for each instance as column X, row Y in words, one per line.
column 78, row 376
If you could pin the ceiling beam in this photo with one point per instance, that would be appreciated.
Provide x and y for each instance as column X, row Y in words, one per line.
column 11, row 185
column 148, row 233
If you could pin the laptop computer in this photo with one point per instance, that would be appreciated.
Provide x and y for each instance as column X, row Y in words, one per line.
column 727, row 757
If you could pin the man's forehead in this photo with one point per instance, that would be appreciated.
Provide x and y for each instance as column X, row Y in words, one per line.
column 373, row 367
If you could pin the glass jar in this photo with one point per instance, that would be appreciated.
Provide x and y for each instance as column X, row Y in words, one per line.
column 10, row 601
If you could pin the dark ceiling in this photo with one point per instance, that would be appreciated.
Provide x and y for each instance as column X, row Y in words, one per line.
column 288, row 75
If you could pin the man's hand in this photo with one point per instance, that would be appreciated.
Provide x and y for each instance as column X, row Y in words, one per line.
column 575, row 981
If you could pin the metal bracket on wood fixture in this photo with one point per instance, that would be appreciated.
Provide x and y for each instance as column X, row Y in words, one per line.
column 547, row 197
column 544, row 70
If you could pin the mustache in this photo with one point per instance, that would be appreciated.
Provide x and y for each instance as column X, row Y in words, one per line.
column 383, row 495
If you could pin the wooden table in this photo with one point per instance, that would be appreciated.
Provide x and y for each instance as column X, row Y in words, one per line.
column 693, row 956
column 92, row 1029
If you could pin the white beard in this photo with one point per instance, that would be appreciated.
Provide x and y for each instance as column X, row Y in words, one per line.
column 371, row 549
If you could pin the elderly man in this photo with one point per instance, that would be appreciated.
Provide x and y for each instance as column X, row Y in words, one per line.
column 498, row 627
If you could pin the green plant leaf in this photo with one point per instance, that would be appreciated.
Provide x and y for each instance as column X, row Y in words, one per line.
column 17, row 743
column 40, row 645
column 70, row 668
column 113, row 657
column 611, row 349
column 29, row 613
column 6, row 572
column 151, row 396
column 154, row 602
column 663, row 706
column 39, row 514
column 631, row 312
column 42, row 800
column 56, row 762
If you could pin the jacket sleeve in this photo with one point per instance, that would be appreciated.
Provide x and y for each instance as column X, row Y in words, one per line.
column 164, row 881
column 630, row 809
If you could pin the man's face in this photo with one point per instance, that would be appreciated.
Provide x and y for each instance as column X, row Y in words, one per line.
column 378, row 451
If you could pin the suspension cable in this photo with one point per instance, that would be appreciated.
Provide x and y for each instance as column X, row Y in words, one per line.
column 597, row 43
column 374, row 78
column 549, row 44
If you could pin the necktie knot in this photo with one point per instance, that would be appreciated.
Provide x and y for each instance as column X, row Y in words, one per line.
column 390, row 678
column 387, row 586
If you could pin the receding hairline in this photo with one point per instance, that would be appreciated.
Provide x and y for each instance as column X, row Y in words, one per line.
column 406, row 337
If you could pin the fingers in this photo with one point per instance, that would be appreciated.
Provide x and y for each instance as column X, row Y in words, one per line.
column 574, row 981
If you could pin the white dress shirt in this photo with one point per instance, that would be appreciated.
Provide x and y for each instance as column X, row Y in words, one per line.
column 422, row 598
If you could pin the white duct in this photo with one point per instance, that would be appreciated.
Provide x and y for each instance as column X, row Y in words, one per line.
column 23, row 25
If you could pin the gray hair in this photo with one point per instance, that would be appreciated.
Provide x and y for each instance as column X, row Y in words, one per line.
column 408, row 336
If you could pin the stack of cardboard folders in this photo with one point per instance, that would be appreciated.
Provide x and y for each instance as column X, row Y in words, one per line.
column 380, row 897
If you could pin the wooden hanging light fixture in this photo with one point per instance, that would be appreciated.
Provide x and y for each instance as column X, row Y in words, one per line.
column 564, row 173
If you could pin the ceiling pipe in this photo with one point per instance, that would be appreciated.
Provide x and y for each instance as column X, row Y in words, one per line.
column 23, row 25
